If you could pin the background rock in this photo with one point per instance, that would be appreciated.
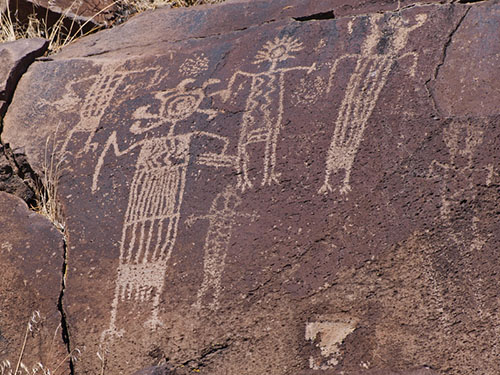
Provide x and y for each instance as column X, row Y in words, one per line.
column 31, row 257
column 464, row 85
column 15, row 57
column 176, row 25
column 163, row 370
column 258, row 187
column 10, row 180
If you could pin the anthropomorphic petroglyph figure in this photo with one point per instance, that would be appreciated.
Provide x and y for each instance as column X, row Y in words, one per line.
column 262, row 118
column 99, row 97
column 156, row 194
column 221, row 217
column 459, row 177
column 372, row 66
column 151, row 221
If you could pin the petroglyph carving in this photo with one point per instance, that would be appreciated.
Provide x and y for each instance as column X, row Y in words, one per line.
column 177, row 104
column 99, row 97
column 458, row 176
column 217, row 160
column 378, row 53
column 194, row 66
column 321, row 45
column 461, row 177
column 157, row 188
column 328, row 334
column 7, row 246
column 349, row 27
column 221, row 217
column 262, row 118
column 151, row 220
column 155, row 198
column 308, row 92
column 462, row 140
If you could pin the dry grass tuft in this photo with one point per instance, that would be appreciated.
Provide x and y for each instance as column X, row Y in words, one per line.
column 61, row 34
column 32, row 328
column 47, row 187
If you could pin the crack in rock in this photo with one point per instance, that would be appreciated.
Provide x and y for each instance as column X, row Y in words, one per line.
column 205, row 354
column 316, row 17
column 15, row 59
column 60, row 306
column 429, row 89
column 18, row 178
column 471, row 1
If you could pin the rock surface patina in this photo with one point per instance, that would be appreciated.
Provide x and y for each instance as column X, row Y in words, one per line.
column 31, row 259
column 15, row 57
column 264, row 188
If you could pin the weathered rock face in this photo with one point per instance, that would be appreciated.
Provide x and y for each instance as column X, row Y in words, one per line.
column 15, row 57
column 31, row 258
column 11, row 176
column 162, row 370
column 258, row 187
column 464, row 86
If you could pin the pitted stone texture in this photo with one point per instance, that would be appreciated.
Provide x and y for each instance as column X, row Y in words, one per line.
column 270, row 197
column 421, row 371
column 164, row 370
column 170, row 25
column 31, row 257
column 464, row 86
column 15, row 57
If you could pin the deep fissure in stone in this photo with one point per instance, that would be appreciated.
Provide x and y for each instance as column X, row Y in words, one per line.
column 60, row 306
column 22, row 169
column 442, row 61
column 16, row 176
column 315, row 17
column 470, row 1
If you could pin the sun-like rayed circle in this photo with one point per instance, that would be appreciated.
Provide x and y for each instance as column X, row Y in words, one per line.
column 280, row 49
column 180, row 107
column 176, row 104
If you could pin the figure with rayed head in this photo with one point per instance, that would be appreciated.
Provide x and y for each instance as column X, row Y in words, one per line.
column 262, row 118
